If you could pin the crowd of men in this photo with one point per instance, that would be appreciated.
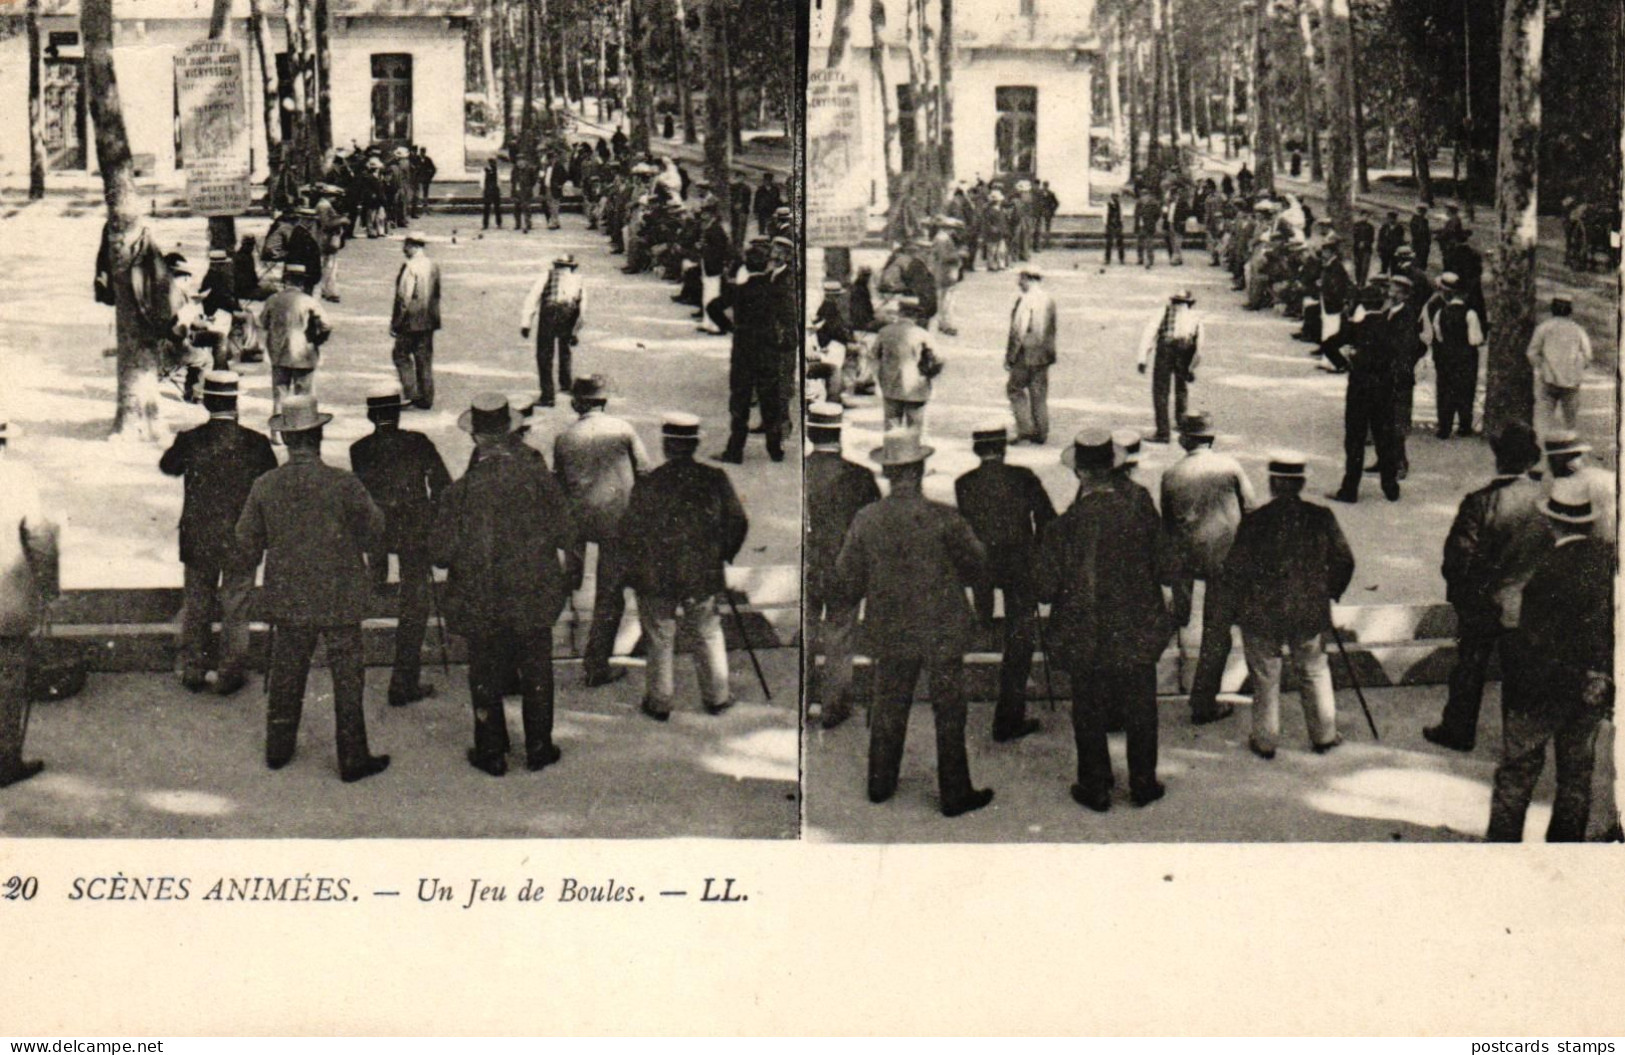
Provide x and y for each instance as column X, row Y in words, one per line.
column 1273, row 569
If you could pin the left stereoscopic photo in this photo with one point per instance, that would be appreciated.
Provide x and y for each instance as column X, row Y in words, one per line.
column 394, row 400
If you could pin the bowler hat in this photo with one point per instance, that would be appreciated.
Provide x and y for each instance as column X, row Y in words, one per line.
column 1090, row 449
column 299, row 414
column 683, row 428
column 221, row 384
column 1569, row 502
column 900, row 447
column 489, row 412
column 1289, row 465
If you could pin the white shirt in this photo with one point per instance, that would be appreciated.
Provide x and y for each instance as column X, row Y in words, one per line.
column 1189, row 324
column 1559, row 352
column 569, row 289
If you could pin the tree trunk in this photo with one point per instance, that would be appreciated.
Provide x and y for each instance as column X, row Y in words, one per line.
column 623, row 19
column 265, row 55
column 736, row 127
column 1230, row 99
column 324, row 76
column 603, row 73
column 916, row 82
column 888, row 122
column 718, row 139
column 307, row 63
column 488, row 66
column 1114, row 89
column 1154, row 146
column 1135, row 90
column 544, row 58
column 1306, row 96
column 641, row 111
column 1260, row 101
column 1510, row 389
column 945, row 64
column 136, row 416
column 1361, row 170
column 36, row 110
column 296, row 153
column 1339, row 115
column 527, row 112
column 685, row 94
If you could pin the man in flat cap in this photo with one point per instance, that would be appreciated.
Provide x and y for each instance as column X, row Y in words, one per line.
column 1101, row 566
column 1029, row 352
column 1559, row 684
column 1171, row 344
column 833, row 490
column 1289, row 563
column 405, row 475
column 413, row 320
column 1204, row 496
column 554, row 309
column 1008, row 508
column 218, row 462
column 908, row 560
column 1559, row 353
column 314, row 525
column 296, row 327
column 29, row 580
column 503, row 530
column 599, row 459
column 683, row 525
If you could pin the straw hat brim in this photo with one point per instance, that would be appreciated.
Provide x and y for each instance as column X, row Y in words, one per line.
column 279, row 423
column 465, row 420
column 1566, row 518
column 879, row 456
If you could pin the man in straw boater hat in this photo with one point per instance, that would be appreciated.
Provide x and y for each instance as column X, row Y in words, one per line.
column 683, row 525
column 598, row 459
column 218, row 462
column 554, row 309
column 909, row 559
column 295, row 330
column 1029, row 352
column 1559, row 353
column 1497, row 538
column 1101, row 567
column 1567, row 455
column 29, row 580
column 833, row 490
column 1454, row 332
column 1289, row 563
column 504, row 530
column 405, row 475
column 1007, row 507
column 1171, row 344
column 413, row 320
column 1559, row 682
column 314, row 525
column 1204, row 496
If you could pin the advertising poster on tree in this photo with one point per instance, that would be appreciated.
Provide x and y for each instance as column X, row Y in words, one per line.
column 837, row 184
column 214, row 142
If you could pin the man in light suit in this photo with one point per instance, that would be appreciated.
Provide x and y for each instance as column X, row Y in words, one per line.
column 1028, row 354
column 313, row 524
column 412, row 323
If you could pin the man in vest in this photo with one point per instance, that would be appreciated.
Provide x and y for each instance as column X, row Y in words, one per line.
column 554, row 309
column 1454, row 333
column 218, row 462
column 1172, row 343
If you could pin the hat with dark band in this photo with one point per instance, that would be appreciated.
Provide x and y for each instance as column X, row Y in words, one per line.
column 299, row 414
column 292, row 267
column 824, row 421
column 1091, row 449
column 1198, row 425
column 591, row 389
column 1560, row 443
column 1125, row 448
column 680, row 428
column 415, row 238
column 833, row 285
column 990, row 434
column 490, row 412
column 1405, row 252
column 900, row 447
column 567, row 260
column 1288, row 465
column 1449, row 280
column 385, row 398
column 222, row 384
column 218, row 254
column 1569, row 502
column 1400, row 282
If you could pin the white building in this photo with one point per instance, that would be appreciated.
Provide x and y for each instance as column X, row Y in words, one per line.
column 1021, row 87
column 397, row 69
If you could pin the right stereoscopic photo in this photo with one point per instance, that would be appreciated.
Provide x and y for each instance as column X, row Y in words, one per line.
column 1211, row 420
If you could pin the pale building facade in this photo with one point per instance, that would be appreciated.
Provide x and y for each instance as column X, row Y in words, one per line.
column 397, row 67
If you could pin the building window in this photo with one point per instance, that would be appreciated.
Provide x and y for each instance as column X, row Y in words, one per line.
column 63, row 113
column 906, row 130
column 392, row 98
column 1016, row 134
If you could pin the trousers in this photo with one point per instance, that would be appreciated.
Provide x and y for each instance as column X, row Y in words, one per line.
column 1556, row 407
column 1166, row 374
column 414, row 361
column 412, row 615
column 492, row 659
column 608, row 606
column 1457, row 382
column 491, row 206
column 1541, row 706
column 1097, row 694
column 553, row 343
column 209, row 588
column 1028, row 390
column 1216, row 640
column 1314, row 669
column 757, row 382
column 1477, row 638
column 836, row 624
column 1020, row 636
column 662, row 620
column 290, row 381
column 888, row 725
column 1114, row 236
column 290, row 669
column 1368, row 410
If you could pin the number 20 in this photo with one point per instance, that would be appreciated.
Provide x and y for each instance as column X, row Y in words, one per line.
column 20, row 888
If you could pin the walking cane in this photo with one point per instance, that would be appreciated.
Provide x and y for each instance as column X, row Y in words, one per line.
column 1043, row 653
column 739, row 621
column 1358, row 693
column 434, row 599
column 270, row 650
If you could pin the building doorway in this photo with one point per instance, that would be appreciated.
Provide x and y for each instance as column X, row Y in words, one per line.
column 1016, row 133
column 62, row 99
column 392, row 99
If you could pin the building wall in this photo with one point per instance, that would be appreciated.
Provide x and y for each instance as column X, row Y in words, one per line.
column 143, row 59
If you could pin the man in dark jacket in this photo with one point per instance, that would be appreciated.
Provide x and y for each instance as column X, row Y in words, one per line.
column 765, row 204
column 1289, row 563
column 1421, row 236
column 755, row 370
column 834, row 490
column 1007, row 507
column 1101, row 567
column 503, row 530
column 219, row 462
column 1114, row 227
column 1368, row 404
column 404, row 474
column 909, row 560
column 1364, row 236
column 1559, row 682
column 1498, row 537
column 314, row 524
column 490, row 195
column 1390, row 236
column 683, row 525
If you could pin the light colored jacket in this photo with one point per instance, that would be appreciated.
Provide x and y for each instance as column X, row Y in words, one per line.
column 559, row 287
column 417, row 296
column 1559, row 352
column 28, row 552
column 901, row 345
column 598, row 459
column 1032, row 329
column 1204, row 495
column 295, row 326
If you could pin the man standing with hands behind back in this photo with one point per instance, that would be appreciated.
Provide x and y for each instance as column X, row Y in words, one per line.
column 1028, row 355
column 412, row 323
